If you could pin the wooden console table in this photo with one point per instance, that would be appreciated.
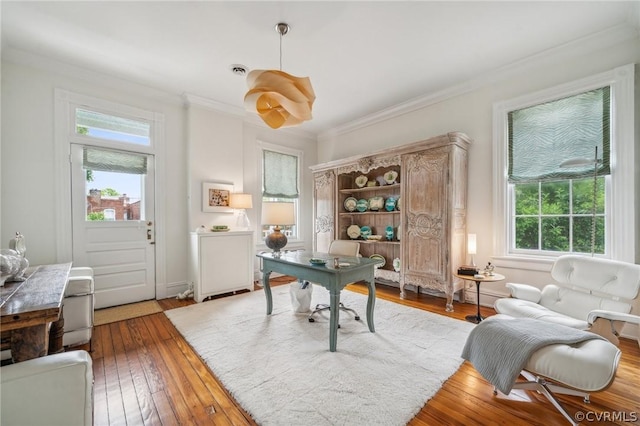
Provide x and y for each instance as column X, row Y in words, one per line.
column 31, row 312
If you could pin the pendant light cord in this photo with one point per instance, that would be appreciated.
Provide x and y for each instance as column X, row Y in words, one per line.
column 280, row 51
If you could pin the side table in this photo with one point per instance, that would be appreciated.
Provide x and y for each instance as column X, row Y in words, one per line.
column 485, row 278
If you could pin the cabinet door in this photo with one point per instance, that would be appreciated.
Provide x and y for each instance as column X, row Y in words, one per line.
column 224, row 264
column 425, row 206
column 324, row 184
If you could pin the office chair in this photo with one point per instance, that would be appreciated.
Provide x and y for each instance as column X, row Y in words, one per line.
column 339, row 248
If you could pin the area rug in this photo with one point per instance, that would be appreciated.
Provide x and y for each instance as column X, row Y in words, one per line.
column 280, row 370
column 125, row 312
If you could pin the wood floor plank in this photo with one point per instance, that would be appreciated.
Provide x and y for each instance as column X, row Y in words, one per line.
column 173, row 386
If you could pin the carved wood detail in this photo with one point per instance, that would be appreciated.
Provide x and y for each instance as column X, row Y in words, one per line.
column 322, row 180
column 366, row 164
column 324, row 224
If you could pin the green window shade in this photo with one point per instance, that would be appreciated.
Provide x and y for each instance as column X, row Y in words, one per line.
column 114, row 161
column 280, row 178
column 544, row 136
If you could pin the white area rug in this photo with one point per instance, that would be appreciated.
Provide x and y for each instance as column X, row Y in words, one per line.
column 280, row 370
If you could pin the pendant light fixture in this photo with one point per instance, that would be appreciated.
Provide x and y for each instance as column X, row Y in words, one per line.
column 281, row 100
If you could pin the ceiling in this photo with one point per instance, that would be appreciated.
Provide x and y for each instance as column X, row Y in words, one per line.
column 362, row 57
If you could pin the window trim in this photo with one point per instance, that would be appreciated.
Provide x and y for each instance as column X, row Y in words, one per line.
column 621, row 188
column 293, row 243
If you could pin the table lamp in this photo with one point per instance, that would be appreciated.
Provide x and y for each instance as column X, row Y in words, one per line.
column 277, row 213
column 240, row 202
column 471, row 247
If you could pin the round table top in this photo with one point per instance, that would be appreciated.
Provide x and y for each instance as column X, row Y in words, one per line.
column 486, row 278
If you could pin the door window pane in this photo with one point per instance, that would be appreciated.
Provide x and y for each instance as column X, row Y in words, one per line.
column 114, row 195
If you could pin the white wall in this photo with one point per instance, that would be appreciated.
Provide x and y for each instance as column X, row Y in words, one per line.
column 28, row 169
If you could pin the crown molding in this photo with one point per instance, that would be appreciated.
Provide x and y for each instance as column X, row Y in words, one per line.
column 22, row 57
column 579, row 47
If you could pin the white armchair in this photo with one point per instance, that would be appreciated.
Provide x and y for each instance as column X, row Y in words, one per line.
column 589, row 294
column 51, row 390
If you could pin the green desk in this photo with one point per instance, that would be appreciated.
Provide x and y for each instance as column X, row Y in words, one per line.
column 333, row 279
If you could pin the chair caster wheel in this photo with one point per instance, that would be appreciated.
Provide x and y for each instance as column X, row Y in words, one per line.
column 357, row 318
column 312, row 320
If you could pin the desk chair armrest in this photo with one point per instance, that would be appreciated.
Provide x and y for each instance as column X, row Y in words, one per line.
column 612, row 316
column 525, row 292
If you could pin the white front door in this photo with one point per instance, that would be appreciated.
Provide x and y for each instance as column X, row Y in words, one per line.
column 113, row 222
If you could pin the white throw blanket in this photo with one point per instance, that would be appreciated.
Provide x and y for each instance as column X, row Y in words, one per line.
column 500, row 347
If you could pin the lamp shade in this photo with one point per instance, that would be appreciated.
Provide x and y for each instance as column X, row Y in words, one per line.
column 281, row 100
column 240, row 201
column 278, row 213
column 471, row 243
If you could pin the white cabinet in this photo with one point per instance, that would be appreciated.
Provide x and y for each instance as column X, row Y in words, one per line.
column 220, row 262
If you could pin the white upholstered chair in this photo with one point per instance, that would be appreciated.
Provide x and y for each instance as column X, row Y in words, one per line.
column 50, row 390
column 339, row 248
column 589, row 293
column 78, row 307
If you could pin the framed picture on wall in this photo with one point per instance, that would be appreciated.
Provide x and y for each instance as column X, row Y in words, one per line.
column 215, row 197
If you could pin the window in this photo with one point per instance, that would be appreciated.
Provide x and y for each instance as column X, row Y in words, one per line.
column 544, row 202
column 552, row 172
column 280, row 182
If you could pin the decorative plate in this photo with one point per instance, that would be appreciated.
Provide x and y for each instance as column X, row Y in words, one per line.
column 380, row 258
column 374, row 237
column 365, row 231
column 390, row 204
column 396, row 264
column 390, row 177
column 398, row 203
column 362, row 205
column 350, row 204
column 376, row 203
column 353, row 232
column 361, row 181
column 398, row 233
column 315, row 261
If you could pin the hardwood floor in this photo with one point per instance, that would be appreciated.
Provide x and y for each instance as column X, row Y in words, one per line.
column 147, row 374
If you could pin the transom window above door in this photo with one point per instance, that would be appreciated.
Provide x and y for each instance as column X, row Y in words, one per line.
column 111, row 127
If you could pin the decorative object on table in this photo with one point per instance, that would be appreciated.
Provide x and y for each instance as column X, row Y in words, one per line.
column 215, row 197
column 277, row 214
column 396, row 264
column 390, row 204
column 388, row 232
column 362, row 205
column 281, row 99
column 18, row 244
column 240, row 202
column 581, row 162
column 380, row 258
column 350, row 204
column 365, row 231
column 488, row 270
column 219, row 228
column 12, row 266
column 361, row 181
column 376, row 203
column 316, row 261
column 471, row 247
column 353, row 232
column 390, row 177
column 467, row 270
column 398, row 204
column 372, row 183
column 374, row 237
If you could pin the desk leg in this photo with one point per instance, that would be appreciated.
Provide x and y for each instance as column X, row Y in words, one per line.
column 371, row 303
column 56, row 335
column 267, row 290
column 334, row 319
column 29, row 342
